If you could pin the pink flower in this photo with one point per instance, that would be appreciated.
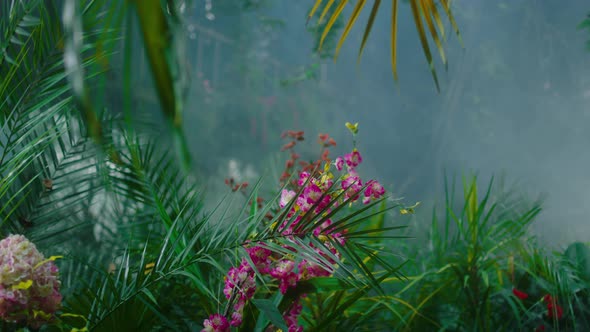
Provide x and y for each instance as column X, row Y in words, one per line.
column 339, row 163
column 236, row 319
column 312, row 193
column 353, row 159
column 286, row 197
column 291, row 317
column 374, row 190
column 304, row 203
column 317, row 231
column 308, row 270
column 260, row 257
column 339, row 237
column 282, row 269
column 292, row 225
column 215, row 323
column 352, row 185
column 242, row 280
column 303, row 176
column 290, row 280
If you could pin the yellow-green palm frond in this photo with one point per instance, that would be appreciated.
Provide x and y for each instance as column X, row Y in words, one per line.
column 426, row 14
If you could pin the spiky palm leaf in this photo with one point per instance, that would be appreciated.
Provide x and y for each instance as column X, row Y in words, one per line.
column 425, row 13
column 39, row 131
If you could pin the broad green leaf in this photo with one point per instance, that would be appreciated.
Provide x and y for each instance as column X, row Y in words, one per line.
column 324, row 284
column 158, row 46
column 271, row 312
column 579, row 254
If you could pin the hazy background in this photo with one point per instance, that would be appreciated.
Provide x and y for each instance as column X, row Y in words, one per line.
column 515, row 101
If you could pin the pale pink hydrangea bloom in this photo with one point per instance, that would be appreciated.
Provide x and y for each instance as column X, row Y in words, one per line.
column 28, row 283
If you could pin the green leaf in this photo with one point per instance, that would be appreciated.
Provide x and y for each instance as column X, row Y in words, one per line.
column 324, row 284
column 156, row 35
column 271, row 312
column 579, row 254
column 158, row 46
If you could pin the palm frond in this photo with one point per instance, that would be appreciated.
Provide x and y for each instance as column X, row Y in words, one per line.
column 424, row 12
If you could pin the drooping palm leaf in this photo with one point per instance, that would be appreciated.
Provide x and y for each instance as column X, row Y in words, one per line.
column 157, row 35
column 72, row 19
column 423, row 12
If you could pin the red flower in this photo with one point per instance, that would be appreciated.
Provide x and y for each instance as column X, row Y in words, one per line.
column 520, row 294
column 288, row 145
column 540, row 328
column 289, row 163
column 554, row 310
column 285, row 176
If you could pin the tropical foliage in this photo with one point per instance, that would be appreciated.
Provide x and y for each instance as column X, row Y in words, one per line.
column 103, row 229
column 127, row 221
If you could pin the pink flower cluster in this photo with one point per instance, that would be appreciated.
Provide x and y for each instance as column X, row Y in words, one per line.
column 292, row 316
column 352, row 182
column 240, row 286
column 216, row 323
column 29, row 284
column 309, row 195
